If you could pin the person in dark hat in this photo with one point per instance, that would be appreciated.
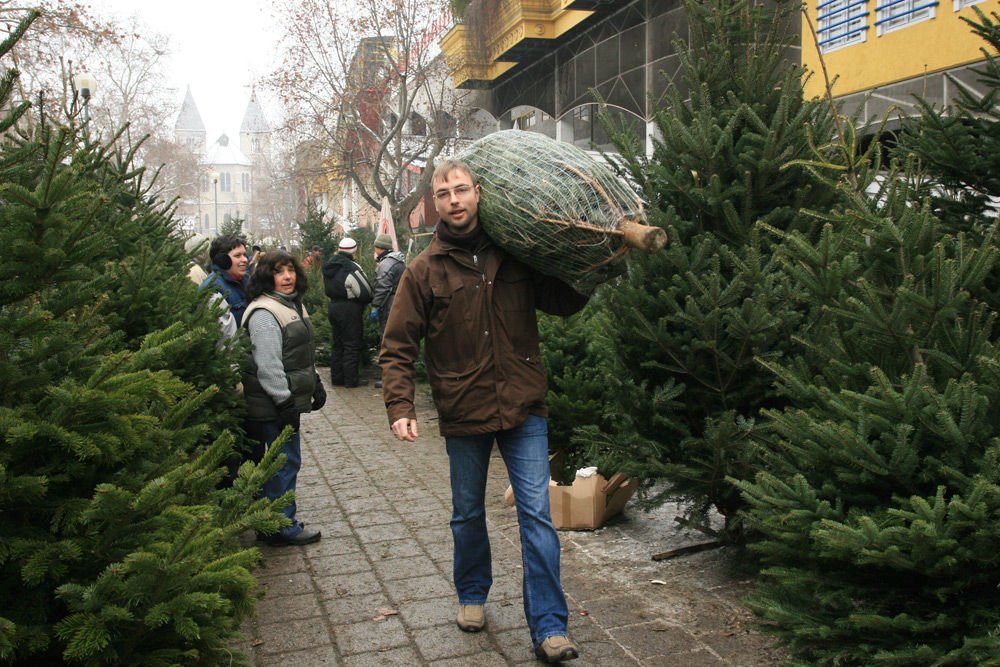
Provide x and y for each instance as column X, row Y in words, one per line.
column 350, row 291
column 390, row 265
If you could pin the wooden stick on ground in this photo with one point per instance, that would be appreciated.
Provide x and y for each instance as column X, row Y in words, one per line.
column 690, row 549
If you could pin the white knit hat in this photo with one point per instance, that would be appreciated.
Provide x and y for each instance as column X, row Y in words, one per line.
column 347, row 243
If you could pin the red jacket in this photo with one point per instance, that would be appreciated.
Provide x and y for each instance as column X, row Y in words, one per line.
column 476, row 313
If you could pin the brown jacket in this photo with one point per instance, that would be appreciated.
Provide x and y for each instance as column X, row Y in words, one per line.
column 477, row 315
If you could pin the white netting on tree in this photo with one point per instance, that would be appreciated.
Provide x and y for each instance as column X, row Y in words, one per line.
column 556, row 208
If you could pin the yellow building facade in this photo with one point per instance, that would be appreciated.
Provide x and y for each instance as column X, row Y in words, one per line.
column 893, row 49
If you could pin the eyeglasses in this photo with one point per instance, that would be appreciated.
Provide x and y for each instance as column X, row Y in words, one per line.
column 459, row 191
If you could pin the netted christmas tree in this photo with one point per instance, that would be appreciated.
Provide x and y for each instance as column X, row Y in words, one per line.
column 117, row 547
column 557, row 209
column 691, row 322
column 878, row 516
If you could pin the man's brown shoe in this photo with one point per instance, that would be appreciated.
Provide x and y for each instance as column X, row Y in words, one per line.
column 471, row 617
column 556, row 649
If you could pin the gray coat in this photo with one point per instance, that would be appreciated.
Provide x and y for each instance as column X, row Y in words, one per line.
column 387, row 275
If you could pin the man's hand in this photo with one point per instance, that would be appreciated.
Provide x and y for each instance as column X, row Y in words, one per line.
column 288, row 415
column 405, row 429
column 319, row 395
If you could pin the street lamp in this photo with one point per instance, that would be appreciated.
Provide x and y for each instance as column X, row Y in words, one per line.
column 215, row 187
column 86, row 85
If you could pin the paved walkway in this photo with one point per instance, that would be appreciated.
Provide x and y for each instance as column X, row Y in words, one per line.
column 376, row 590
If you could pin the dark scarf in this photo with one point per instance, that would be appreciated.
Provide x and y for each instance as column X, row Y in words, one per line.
column 470, row 241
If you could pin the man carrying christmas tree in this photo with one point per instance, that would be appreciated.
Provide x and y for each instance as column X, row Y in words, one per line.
column 228, row 274
column 474, row 307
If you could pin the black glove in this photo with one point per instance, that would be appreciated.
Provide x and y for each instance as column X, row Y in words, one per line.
column 288, row 415
column 319, row 395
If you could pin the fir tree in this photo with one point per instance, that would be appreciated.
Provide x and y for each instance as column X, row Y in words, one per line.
column 117, row 548
column 691, row 322
column 878, row 516
column 318, row 229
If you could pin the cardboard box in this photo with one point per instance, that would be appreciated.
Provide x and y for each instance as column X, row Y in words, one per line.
column 588, row 502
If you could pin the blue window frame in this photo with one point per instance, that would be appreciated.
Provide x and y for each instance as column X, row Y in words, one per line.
column 894, row 14
column 841, row 23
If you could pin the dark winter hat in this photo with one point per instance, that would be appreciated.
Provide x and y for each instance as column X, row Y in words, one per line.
column 383, row 241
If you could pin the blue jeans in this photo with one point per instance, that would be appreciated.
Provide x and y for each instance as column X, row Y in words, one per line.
column 283, row 481
column 525, row 451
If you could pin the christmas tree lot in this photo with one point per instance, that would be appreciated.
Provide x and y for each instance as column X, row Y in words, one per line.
column 814, row 356
column 689, row 324
column 117, row 546
column 877, row 515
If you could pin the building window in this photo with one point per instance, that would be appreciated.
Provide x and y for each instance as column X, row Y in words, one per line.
column 841, row 23
column 583, row 126
column 226, row 218
column 526, row 121
column 206, row 221
column 960, row 4
column 245, row 181
column 893, row 14
column 204, row 182
column 225, row 182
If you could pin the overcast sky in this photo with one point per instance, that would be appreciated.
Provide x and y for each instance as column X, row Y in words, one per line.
column 202, row 33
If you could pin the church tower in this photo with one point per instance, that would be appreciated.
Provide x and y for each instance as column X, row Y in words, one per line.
column 255, row 134
column 189, row 128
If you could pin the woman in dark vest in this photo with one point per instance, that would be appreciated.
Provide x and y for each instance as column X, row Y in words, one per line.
column 279, row 377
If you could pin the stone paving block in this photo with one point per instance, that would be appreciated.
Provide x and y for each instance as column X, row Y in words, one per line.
column 605, row 653
column 286, row 636
column 355, row 608
column 392, row 531
column 278, row 561
column 515, row 645
column 479, row 660
column 506, row 614
column 360, row 583
column 506, row 586
column 392, row 658
column 693, row 659
column 362, row 520
column 431, row 506
column 582, row 585
column 419, row 614
column 318, row 656
column 294, row 583
column 384, row 549
column 435, row 536
column 585, row 628
column 335, row 566
column 370, row 636
column 618, row 611
column 330, row 522
column 289, row 607
column 418, row 588
column 370, row 503
column 655, row 638
column 447, row 641
column 423, row 518
column 333, row 547
column 390, row 569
